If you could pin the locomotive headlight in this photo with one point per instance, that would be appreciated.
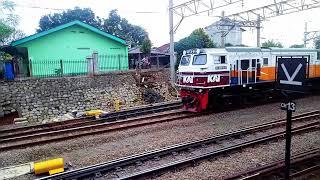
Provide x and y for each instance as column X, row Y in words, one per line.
column 184, row 52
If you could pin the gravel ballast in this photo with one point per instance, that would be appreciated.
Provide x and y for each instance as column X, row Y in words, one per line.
column 249, row 158
column 90, row 150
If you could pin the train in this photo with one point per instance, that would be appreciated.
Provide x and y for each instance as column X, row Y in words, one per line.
column 215, row 76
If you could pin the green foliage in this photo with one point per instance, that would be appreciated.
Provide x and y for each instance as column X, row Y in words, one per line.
column 15, row 35
column 7, row 5
column 297, row 46
column 317, row 43
column 116, row 25
column 5, row 32
column 146, row 46
column 5, row 56
column 85, row 15
column 8, row 20
column 197, row 39
column 272, row 43
column 228, row 45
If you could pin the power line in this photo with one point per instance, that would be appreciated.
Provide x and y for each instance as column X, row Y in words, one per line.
column 65, row 9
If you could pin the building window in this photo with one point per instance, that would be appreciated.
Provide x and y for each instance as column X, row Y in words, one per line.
column 265, row 61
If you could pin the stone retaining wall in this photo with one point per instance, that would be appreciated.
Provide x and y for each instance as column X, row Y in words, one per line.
column 39, row 100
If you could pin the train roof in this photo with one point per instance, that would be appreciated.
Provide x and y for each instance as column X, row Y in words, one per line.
column 254, row 49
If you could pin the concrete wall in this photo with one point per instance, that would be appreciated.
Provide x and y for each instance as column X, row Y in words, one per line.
column 44, row 99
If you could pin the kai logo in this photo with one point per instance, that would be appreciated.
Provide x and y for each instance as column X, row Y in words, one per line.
column 214, row 78
column 187, row 79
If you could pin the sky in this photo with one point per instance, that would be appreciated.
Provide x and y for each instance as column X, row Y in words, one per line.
column 153, row 16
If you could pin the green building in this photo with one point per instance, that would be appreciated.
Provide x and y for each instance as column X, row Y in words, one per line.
column 63, row 50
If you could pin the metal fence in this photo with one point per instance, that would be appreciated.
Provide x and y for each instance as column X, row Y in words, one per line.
column 53, row 68
column 73, row 67
column 114, row 62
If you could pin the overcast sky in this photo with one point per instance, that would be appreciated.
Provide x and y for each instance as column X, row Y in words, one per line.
column 287, row 29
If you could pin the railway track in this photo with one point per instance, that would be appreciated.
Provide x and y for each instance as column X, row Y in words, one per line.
column 39, row 134
column 70, row 133
column 113, row 116
column 159, row 160
column 301, row 165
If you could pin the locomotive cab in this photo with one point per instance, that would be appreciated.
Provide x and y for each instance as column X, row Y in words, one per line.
column 200, row 70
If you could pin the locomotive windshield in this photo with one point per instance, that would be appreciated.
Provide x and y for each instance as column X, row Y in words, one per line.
column 200, row 59
column 185, row 60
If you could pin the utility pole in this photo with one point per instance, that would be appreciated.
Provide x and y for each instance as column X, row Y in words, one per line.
column 222, row 31
column 172, row 69
column 258, row 30
column 305, row 34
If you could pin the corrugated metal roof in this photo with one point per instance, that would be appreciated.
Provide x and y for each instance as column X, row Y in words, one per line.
column 136, row 50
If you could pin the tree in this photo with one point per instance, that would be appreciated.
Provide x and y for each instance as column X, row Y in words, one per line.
column 197, row 39
column 228, row 45
column 272, row 43
column 317, row 45
column 8, row 20
column 85, row 15
column 297, row 46
column 15, row 35
column 5, row 32
column 114, row 24
column 146, row 46
column 118, row 26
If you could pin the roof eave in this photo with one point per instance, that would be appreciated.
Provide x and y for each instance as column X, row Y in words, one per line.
column 84, row 25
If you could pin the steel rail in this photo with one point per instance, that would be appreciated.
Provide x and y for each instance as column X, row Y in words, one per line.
column 84, row 131
column 11, row 132
column 306, row 171
column 107, row 166
column 195, row 158
column 107, row 127
column 95, row 123
column 274, row 167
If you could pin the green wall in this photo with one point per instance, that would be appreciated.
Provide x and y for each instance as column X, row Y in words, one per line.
column 72, row 45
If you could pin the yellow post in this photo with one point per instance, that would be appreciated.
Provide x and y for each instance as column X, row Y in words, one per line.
column 51, row 166
column 117, row 105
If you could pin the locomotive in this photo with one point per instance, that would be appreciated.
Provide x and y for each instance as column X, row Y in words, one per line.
column 214, row 76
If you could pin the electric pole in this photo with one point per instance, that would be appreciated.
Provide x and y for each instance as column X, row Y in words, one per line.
column 305, row 34
column 172, row 69
column 222, row 32
column 258, row 30
column 309, row 35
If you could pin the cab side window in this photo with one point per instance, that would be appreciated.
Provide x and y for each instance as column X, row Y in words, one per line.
column 265, row 61
column 222, row 59
column 219, row 59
